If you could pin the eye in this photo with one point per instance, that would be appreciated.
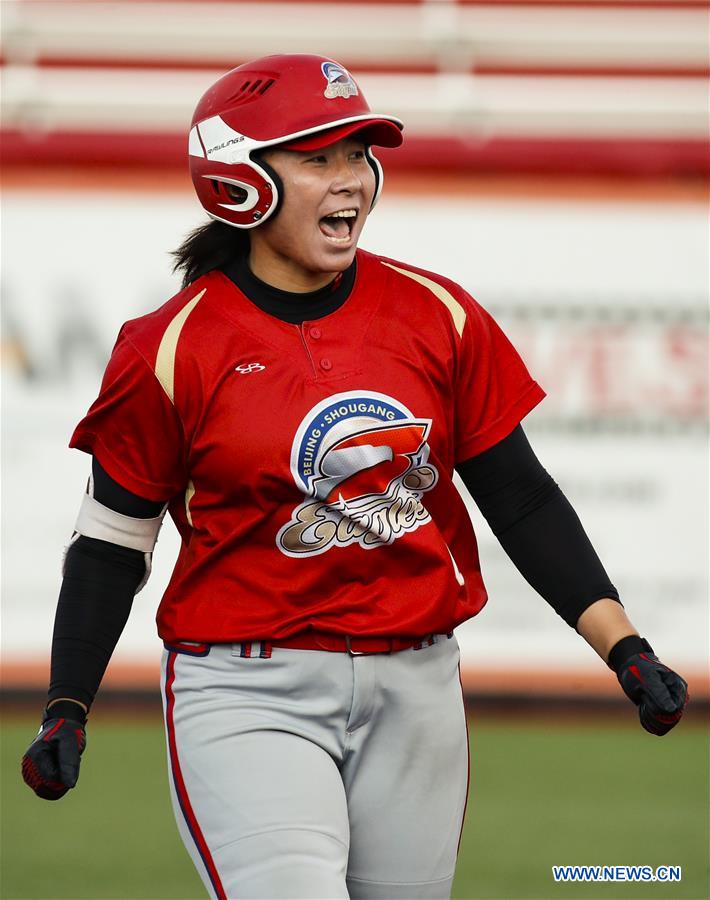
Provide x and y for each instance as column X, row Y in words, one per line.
column 357, row 154
column 316, row 159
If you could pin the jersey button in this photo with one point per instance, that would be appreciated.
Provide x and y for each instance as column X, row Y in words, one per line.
column 326, row 364
column 315, row 333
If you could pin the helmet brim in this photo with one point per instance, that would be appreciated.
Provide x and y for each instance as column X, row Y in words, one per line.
column 373, row 132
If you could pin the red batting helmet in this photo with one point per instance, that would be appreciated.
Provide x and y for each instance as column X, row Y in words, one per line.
column 298, row 101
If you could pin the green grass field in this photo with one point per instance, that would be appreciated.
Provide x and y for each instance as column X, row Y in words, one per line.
column 541, row 794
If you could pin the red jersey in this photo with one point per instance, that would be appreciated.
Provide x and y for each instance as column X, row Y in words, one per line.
column 309, row 467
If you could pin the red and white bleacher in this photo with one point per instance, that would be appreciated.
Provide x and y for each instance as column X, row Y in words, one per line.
column 572, row 86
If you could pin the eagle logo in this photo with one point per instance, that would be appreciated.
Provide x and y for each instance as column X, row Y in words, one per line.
column 339, row 81
column 362, row 461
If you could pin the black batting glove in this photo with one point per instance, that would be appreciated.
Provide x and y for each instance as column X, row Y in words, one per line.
column 51, row 764
column 660, row 694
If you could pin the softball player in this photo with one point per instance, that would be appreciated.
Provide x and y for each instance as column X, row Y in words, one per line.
column 299, row 408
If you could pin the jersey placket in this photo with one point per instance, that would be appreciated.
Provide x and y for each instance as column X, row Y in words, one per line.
column 323, row 353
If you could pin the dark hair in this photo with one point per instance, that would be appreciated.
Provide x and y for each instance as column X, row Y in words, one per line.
column 208, row 247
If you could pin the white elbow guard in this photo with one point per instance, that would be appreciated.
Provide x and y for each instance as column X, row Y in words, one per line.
column 98, row 521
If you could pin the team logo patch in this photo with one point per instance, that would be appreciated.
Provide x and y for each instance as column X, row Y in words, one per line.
column 361, row 459
column 340, row 81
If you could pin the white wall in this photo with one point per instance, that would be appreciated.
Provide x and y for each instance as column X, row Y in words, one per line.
column 97, row 259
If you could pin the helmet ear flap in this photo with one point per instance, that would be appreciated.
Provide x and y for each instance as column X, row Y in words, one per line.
column 242, row 195
column 376, row 167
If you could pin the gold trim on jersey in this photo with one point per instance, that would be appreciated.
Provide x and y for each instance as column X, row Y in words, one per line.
column 458, row 313
column 165, row 360
column 189, row 494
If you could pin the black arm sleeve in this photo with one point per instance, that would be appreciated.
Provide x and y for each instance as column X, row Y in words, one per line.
column 536, row 526
column 111, row 494
column 100, row 581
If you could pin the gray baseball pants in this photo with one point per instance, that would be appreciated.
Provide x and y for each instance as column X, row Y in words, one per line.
column 313, row 774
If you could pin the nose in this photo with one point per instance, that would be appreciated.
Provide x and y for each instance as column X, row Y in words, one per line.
column 345, row 178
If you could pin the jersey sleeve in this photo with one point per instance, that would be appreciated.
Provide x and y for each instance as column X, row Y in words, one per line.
column 494, row 390
column 133, row 429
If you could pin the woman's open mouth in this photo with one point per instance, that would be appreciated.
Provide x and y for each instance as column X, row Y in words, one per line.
column 337, row 227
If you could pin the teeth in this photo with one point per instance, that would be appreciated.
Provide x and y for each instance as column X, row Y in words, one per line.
column 343, row 214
